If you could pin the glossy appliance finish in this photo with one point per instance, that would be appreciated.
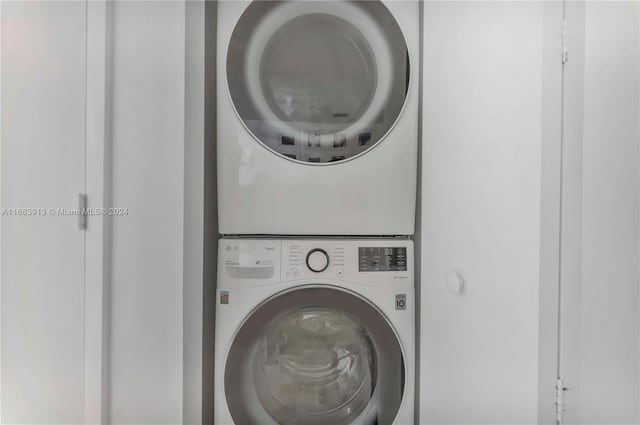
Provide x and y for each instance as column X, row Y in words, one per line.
column 317, row 117
column 303, row 335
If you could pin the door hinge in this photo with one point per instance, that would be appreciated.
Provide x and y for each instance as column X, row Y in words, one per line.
column 565, row 42
column 560, row 389
column 82, row 211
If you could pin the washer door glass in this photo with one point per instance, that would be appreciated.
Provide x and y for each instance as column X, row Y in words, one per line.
column 315, row 355
column 314, row 362
column 318, row 81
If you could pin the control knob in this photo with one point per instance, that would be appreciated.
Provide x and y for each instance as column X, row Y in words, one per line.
column 317, row 260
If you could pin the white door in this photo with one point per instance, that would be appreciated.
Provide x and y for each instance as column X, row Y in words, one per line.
column 318, row 81
column 315, row 355
column 43, row 166
column 482, row 144
column 599, row 352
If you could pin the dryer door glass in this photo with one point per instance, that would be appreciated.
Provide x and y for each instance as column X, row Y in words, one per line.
column 315, row 356
column 318, row 81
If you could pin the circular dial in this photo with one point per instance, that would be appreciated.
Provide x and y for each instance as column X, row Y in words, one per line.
column 317, row 260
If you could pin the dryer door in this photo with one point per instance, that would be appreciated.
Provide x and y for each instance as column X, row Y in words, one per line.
column 315, row 355
column 318, row 81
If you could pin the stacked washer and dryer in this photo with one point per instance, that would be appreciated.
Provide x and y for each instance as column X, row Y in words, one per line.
column 317, row 160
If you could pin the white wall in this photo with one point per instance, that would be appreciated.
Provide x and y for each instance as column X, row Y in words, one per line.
column 600, row 357
column 481, row 173
column 148, row 129
column 610, row 354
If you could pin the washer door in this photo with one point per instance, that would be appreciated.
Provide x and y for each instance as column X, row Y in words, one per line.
column 315, row 355
column 318, row 81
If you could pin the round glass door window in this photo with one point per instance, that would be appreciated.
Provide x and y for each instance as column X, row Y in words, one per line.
column 314, row 366
column 318, row 81
column 315, row 356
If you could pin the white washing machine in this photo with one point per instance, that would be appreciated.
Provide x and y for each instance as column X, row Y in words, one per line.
column 314, row 332
column 317, row 117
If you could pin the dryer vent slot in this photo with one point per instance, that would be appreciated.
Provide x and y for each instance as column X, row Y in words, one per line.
column 364, row 139
column 287, row 141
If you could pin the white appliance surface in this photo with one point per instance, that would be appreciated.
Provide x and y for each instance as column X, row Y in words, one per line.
column 314, row 331
column 317, row 117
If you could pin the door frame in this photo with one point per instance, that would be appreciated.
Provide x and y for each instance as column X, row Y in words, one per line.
column 96, row 234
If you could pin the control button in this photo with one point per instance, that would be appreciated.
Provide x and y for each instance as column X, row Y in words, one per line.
column 294, row 272
column 340, row 273
column 317, row 260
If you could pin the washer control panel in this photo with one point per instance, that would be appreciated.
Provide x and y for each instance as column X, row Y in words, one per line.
column 355, row 260
column 382, row 259
column 369, row 261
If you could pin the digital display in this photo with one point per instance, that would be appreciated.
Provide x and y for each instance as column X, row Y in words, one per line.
column 382, row 259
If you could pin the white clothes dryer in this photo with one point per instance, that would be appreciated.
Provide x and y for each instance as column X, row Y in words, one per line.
column 317, row 117
column 314, row 332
